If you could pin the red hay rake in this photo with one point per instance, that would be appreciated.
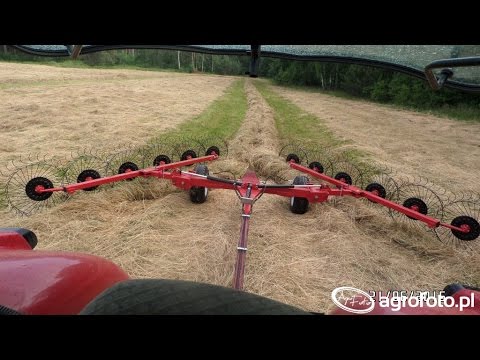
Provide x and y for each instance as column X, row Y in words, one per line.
column 455, row 221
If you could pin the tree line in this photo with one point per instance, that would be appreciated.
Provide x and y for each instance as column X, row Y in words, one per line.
column 372, row 83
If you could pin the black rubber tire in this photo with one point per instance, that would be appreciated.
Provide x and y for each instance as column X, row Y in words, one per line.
column 423, row 207
column 176, row 297
column 316, row 164
column 30, row 188
column 212, row 149
column 125, row 166
column 8, row 311
column 198, row 194
column 160, row 158
column 347, row 179
column 299, row 205
column 186, row 154
column 378, row 187
column 451, row 289
column 293, row 157
column 474, row 232
column 88, row 173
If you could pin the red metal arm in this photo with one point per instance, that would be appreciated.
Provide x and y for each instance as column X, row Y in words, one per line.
column 157, row 171
column 357, row 192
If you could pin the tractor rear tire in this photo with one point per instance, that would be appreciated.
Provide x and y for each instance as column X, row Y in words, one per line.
column 198, row 194
column 299, row 205
column 176, row 297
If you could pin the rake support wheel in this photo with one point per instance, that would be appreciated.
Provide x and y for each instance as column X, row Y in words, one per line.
column 22, row 191
column 462, row 212
column 212, row 150
column 299, row 205
column 199, row 194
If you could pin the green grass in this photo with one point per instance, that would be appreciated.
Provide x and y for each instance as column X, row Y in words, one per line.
column 459, row 112
column 293, row 123
column 297, row 126
column 222, row 118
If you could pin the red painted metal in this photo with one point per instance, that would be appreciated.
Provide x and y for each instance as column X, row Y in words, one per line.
column 357, row 192
column 249, row 192
column 45, row 282
column 249, row 189
column 13, row 241
column 157, row 171
column 63, row 283
column 314, row 193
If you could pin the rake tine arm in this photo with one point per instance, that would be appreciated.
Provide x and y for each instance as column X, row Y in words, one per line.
column 157, row 171
column 354, row 191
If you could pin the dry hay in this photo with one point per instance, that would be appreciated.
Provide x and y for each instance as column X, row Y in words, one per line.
column 445, row 151
column 57, row 111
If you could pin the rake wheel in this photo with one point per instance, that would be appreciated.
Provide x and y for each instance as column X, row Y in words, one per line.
column 212, row 150
column 463, row 212
column 421, row 198
column 376, row 189
column 39, row 183
column 87, row 175
column 189, row 154
column 161, row 160
column 22, row 188
column 316, row 166
column 416, row 204
column 344, row 177
column 293, row 157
